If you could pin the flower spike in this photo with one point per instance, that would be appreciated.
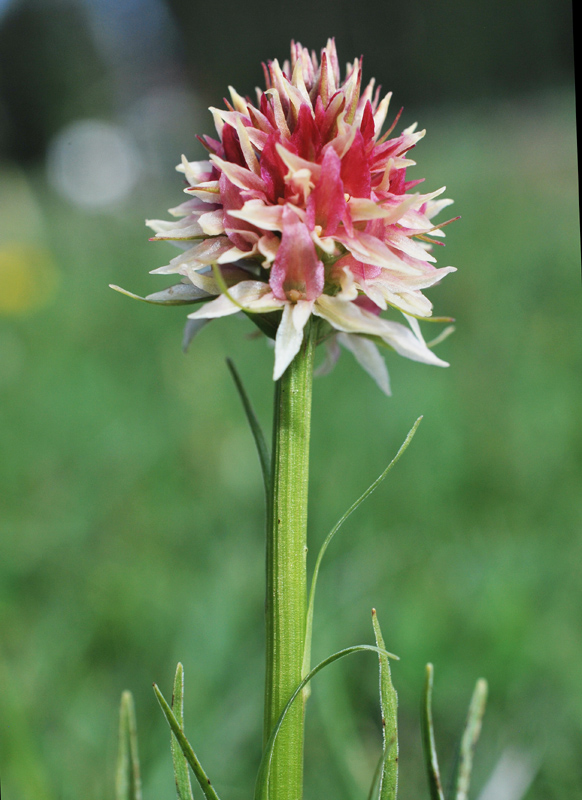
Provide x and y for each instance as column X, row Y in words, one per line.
column 307, row 202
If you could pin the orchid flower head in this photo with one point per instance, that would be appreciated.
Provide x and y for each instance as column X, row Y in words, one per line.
column 303, row 209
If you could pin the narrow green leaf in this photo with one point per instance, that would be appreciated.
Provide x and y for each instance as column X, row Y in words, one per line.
column 182, row 294
column 181, row 774
column 123, row 772
column 332, row 533
column 430, row 754
column 462, row 773
column 200, row 775
column 373, row 793
column 389, row 707
column 127, row 778
column 262, row 784
column 255, row 426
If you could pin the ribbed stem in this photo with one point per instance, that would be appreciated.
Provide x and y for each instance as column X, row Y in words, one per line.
column 286, row 569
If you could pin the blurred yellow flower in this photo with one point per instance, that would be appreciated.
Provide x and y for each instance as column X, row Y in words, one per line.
column 28, row 278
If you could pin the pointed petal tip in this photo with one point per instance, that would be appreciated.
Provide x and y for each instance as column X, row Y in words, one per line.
column 278, row 372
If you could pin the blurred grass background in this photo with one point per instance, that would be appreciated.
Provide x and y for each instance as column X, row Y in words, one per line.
column 131, row 500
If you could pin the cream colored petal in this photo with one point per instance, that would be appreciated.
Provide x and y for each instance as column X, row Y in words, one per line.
column 362, row 209
column 407, row 245
column 195, row 171
column 280, row 119
column 234, row 254
column 203, row 254
column 218, row 120
column 301, row 182
column 191, row 206
column 413, row 302
column 349, row 318
column 212, row 222
column 345, row 138
column 410, row 139
column 239, row 103
column 298, row 82
column 370, row 250
column 368, row 357
column 247, row 148
column 241, row 177
column 257, row 137
column 294, row 162
column 325, row 243
column 332, row 353
column 413, row 283
column 433, row 208
column 349, row 289
column 185, row 228
column 208, row 191
column 285, row 88
column 376, row 293
column 204, row 281
column 269, row 218
column 290, row 334
column 247, row 293
column 380, row 115
column 268, row 246
column 207, row 282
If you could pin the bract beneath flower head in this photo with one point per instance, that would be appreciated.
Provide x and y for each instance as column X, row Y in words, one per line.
column 311, row 202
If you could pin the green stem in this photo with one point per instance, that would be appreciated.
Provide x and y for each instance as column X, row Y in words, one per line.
column 286, row 569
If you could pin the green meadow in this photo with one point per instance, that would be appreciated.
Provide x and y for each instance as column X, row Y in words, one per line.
column 132, row 513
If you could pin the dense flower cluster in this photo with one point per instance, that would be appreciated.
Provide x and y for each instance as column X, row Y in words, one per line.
column 303, row 207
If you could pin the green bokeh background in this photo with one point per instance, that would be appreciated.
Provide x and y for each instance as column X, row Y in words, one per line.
column 132, row 516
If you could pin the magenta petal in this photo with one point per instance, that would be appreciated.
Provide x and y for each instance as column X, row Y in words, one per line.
column 267, row 110
column 327, row 203
column 367, row 127
column 273, row 170
column 306, row 136
column 212, row 145
column 328, row 124
column 232, row 148
column 357, row 268
column 368, row 305
column 232, row 200
column 356, row 170
column 398, row 181
column 297, row 273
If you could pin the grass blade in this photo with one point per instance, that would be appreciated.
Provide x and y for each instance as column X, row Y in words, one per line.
column 262, row 785
column 373, row 793
column 181, row 774
column 462, row 773
column 332, row 533
column 429, row 747
column 201, row 776
column 127, row 778
column 376, row 778
column 255, row 426
column 389, row 707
